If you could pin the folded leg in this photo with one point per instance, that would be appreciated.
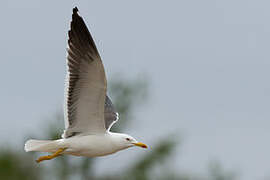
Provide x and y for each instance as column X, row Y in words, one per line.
column 54, row 155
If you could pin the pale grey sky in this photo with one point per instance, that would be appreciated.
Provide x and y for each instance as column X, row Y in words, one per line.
column 208, row 62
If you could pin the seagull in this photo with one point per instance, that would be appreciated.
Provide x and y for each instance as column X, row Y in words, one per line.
column 89, row 112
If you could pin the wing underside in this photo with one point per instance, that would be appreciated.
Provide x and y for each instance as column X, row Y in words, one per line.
column 110, row 114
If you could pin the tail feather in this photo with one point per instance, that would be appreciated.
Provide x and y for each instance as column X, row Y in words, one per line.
column 41, row 145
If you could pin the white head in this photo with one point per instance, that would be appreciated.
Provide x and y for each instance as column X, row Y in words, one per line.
column 124, row 141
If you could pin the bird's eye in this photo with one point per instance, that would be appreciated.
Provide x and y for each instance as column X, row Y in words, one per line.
column 127, row 139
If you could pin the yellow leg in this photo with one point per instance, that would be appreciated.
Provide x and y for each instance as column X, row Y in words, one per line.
column 54, row 155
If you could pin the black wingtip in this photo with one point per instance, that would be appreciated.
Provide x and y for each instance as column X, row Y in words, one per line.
column 75, row 10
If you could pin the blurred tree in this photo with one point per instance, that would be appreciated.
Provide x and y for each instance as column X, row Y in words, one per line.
column 142, row 168
column 217, row 172
column 14, row 166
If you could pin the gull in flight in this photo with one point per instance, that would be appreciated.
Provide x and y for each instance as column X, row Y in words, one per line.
column 89, row 112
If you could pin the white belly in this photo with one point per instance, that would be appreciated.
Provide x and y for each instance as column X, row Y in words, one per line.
column 89, row 145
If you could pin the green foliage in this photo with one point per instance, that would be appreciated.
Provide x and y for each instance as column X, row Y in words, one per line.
column 216, row 172
column 14, row 166
column 142, row 168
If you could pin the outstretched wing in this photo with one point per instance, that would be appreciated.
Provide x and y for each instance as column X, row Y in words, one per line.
column 86, row 82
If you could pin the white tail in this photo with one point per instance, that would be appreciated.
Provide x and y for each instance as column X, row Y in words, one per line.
column 41, row 145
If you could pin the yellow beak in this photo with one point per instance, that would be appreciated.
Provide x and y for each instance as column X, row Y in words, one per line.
column 140, row 145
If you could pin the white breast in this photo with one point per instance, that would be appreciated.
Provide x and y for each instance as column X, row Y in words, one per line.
column 90, row 145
